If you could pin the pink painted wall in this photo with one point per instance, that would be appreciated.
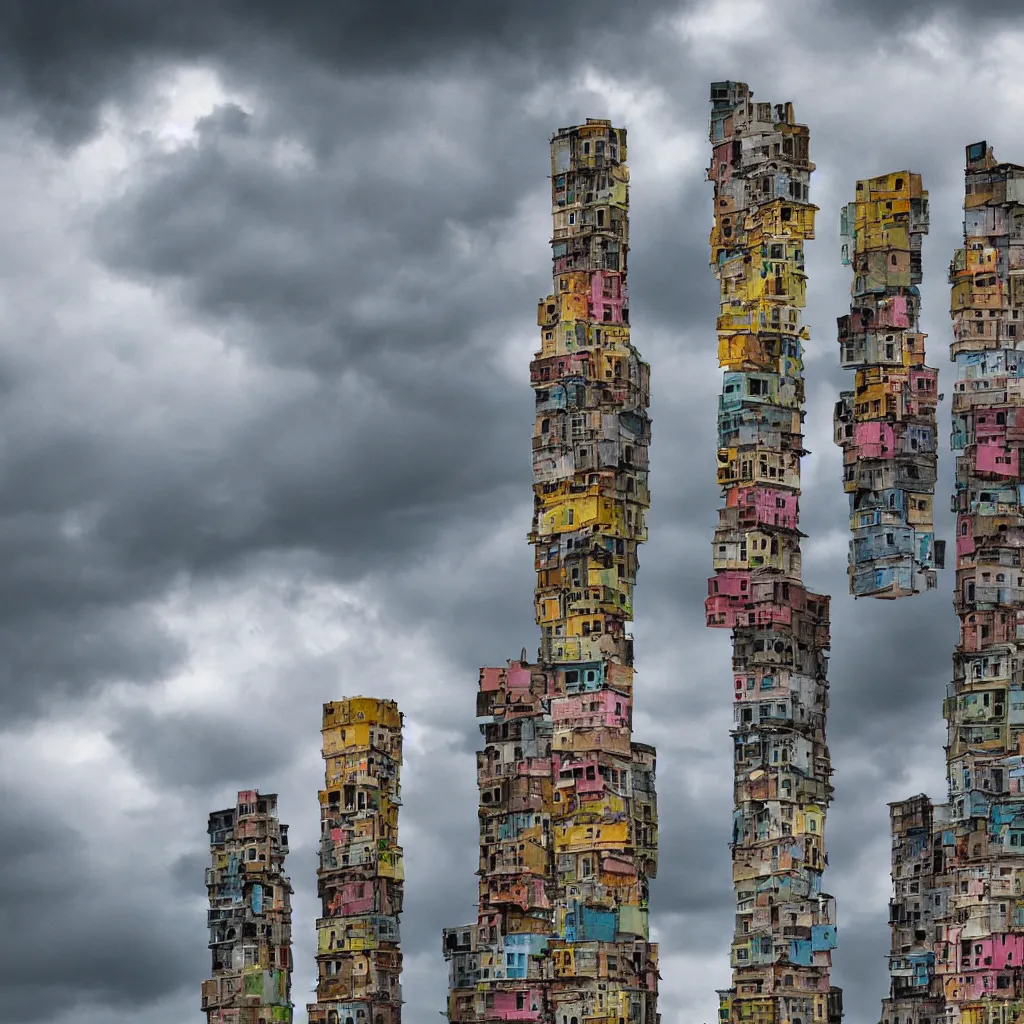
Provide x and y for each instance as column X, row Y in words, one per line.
column 768, row 498
column 583, row 784
column 563, row 708
column 930, row 378
column 976, row 988
column 490, row 679
column 352, row 890
column 566, row 707
column 360, row 906
column 505, row 1005
column 986, row 426
column 964, row 542
column 893, row 313
column 1006, row 946
column 733, row 583
column 875, row 440
column 614, row 866
column 756, row 694
column 987, row 455
column 727, row 612
column 723, row 155
column 1004, row 950
column 719, row 612
column 353, row 904
column 617, row 292
column 765, row 501
column 518, row 678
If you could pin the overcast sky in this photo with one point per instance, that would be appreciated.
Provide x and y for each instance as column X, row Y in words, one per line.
column 269, row 275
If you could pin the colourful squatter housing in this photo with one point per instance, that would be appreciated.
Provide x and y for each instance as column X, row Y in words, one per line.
column 785, row 925
column 568, row 819
column 250, row 915
column 360, row 880
column 957, row 912
column 886, row 427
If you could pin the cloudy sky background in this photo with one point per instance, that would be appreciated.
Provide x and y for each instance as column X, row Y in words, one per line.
column 269, row 274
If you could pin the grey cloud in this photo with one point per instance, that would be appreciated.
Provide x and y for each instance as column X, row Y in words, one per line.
column 193, row 749
column 65, row 60
column 119, row 959
column 883, row 15
column 337, row 264
column 52, row 656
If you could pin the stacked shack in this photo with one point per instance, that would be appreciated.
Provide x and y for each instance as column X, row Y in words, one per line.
column 958, row 868
column 360, row 880
column 568, row 818
column 250, row 917
column 886, row 426
column 785, row 923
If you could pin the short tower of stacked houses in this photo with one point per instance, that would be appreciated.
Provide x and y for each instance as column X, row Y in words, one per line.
column 360, row 880
column 785, row 924
column 568, row 819
column 886, row 426
column 250, row 916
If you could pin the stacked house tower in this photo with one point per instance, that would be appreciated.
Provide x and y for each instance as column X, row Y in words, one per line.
column 918, row 914
column 785, row 924
column 250, row 916
column 360, row 879
column 886, row 426
column 958, row 868
column 568, row 817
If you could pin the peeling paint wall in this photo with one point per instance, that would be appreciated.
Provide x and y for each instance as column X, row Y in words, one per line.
column 886, row 426
column 958, row 868
column 568, row 814
column 785, row 924
column 360, row 880
column 250, row 916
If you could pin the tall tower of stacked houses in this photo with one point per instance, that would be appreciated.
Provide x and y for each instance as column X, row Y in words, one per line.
column 250, row 915
column 568, row 820
column 785, row 924
column 958, row 868
column 359, row 962
column 886, row 427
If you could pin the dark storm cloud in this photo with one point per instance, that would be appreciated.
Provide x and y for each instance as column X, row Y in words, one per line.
column 36, row 846
column 360, row 463
column 50, row 656
column 342, row 473
column 339, row 264
column 119, row 960
column 66, row 58
column 880, row 13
